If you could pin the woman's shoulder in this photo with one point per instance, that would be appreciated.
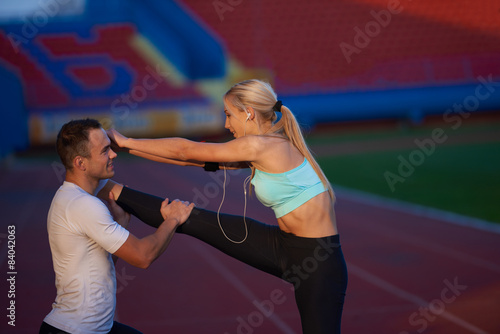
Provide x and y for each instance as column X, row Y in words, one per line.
column 277, row 154
column 268, row 139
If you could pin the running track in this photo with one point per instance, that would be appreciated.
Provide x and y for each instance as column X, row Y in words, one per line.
column 409, row 272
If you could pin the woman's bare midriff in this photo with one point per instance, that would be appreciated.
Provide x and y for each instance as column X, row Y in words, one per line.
column 313, row 219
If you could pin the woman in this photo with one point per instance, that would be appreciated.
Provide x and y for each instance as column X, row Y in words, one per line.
column 304, row 248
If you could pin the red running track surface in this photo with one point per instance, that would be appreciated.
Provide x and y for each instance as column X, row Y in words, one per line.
column 407, row 273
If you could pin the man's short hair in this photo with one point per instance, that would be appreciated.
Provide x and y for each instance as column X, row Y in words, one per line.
column 73, row 140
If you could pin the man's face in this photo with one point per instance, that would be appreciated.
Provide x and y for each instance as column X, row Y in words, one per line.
column 100, row 163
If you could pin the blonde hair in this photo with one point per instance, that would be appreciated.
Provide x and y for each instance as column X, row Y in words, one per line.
column 261, row 97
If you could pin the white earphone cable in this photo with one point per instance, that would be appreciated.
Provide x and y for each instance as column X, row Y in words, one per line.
column 245, row 183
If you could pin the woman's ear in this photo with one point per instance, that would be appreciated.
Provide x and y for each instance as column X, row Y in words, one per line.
column 250, row 113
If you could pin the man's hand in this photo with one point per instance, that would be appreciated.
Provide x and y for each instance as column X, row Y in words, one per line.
column 121, row 217
column 178, row 210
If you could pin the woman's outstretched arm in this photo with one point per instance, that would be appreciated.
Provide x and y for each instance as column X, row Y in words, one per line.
column 180, row 149
column 166, row 160
column 210, row 166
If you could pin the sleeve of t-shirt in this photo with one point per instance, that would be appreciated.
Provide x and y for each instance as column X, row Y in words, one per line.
column 96, row 222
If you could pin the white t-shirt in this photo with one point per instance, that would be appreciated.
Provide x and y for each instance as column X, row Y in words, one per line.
column 82, row 236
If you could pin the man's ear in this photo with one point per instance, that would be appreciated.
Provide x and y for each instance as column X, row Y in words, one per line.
column 79, row 163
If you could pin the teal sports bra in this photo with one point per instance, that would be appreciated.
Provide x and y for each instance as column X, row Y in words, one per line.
column 284, row 192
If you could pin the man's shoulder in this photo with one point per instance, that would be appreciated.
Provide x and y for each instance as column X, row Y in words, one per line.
column 87, row 203
column 76, row 198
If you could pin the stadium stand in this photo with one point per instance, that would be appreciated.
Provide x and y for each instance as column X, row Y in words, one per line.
column 132, row 65
column 152, row 67
column 399, row 59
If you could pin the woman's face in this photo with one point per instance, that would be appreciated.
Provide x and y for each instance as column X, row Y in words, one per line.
column 235, row 120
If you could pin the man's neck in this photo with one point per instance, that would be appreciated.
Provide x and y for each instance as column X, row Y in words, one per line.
column 89, row 185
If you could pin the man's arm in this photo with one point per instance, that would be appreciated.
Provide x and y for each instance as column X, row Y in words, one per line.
column 120, row 216
column 142, row 252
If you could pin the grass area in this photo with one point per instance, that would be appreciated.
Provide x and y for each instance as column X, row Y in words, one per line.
column 338, row 134
column 460, row 178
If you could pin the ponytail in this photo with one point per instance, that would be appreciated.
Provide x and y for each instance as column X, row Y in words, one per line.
column 292, row 131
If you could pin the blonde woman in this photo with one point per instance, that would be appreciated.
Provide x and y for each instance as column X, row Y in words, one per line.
column 304, row 248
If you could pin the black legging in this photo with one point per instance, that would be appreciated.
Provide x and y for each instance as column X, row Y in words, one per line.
column 315, row 266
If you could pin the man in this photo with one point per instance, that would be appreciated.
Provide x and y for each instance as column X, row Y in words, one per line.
column 83, row 234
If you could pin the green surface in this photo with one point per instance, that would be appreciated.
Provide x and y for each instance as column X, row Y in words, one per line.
column 337, row 135
column 460, row 178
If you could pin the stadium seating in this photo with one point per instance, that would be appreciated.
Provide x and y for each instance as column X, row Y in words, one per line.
column 328, row 60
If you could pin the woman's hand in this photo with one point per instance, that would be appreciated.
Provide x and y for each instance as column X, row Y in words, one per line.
column 116, row 138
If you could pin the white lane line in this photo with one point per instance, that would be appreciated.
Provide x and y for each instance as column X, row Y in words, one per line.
column 420, row 302
column 416, row 209
column 239, row 285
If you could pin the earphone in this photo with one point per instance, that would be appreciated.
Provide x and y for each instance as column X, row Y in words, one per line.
column 245, row 183
column 248, row 117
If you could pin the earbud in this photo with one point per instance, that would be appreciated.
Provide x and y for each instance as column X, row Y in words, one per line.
column 248, row 116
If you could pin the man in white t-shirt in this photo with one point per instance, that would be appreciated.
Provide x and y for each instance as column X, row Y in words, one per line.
column 83, row 235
